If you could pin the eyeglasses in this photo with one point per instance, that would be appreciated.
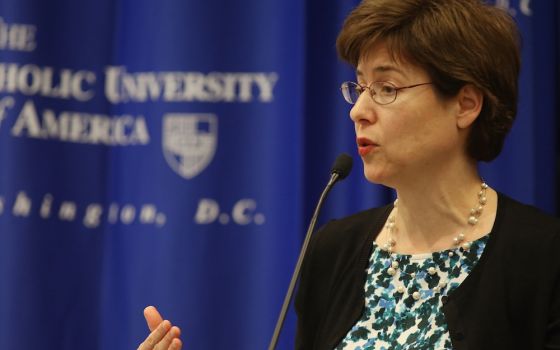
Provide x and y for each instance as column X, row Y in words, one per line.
column 382, row 92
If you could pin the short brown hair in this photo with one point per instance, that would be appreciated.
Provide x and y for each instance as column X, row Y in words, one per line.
column 457, row 42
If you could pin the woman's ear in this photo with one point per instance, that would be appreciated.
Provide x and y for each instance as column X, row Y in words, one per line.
column 469, row 100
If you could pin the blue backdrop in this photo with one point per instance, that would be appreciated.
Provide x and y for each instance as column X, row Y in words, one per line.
column 170, row 153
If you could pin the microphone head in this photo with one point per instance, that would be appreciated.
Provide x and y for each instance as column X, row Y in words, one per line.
column 342, row 166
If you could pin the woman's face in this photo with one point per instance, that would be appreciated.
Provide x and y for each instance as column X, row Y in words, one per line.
column 413, row 136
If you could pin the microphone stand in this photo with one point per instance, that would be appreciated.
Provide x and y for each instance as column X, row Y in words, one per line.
column 334, row 177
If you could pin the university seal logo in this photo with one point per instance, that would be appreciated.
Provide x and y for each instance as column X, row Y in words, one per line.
column 189, row 142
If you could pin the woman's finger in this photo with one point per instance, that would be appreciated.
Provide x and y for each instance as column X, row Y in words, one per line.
column 166, row 342
column 176, row 344
column 153, row 318
column 156, row 336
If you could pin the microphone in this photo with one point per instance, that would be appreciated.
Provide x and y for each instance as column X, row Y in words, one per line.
column 340, row 170
column 342, row 166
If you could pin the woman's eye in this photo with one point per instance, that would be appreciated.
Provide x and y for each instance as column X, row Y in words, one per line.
column 387, row 89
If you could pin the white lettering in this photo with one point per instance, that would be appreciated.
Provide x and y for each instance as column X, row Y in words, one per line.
column 80, row 127
column 28, row 120
column 5, row 104
column 17, row 37
column 161, row 219
column 266, row 84
column 113, row 213
column 111, row 84
column 148, row 214
column 207, row 211
column 171, row 91
column 242, row 211
column 79, row 80
column 122, row 86
column 228, row 91
column 67, row 211
column 525, row 7
column 128, row 213
column 31, row 79
column 46, row 205
column 8, row 77
column 92, row 218
column 245, row 92
column 22, row 205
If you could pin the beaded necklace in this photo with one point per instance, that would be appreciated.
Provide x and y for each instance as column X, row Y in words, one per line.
column 458, row 241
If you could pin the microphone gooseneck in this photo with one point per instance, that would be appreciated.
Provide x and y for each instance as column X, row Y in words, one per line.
column 340, row 170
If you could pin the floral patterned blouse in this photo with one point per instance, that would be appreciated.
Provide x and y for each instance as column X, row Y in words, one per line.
column 403, row 306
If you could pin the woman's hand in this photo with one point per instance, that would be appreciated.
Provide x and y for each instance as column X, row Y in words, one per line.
column 163, row 336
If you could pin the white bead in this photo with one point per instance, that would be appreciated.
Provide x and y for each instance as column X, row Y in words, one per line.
column 467, row 245
column 413, row 275
column 473, row 211
column 400, row 289
column 473, row 220
column 395, row 265
column 442, row 285
column 461, row 236
column 482, row 200
column 432, row 271
column 450, row 254
column 416, row 296
column 391, row 271
column 436, row 289
column 391, row 225
column 481, row 194
column 479, row 209
column 484, row 185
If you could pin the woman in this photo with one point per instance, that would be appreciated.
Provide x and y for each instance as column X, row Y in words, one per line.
column 451, row 264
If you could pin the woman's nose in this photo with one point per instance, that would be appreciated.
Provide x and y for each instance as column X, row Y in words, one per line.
column 363, row 110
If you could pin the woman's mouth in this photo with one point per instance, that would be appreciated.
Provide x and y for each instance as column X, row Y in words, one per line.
column 365, row 146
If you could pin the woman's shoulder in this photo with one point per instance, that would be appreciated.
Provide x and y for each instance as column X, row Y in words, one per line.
column 350, row 232
column 339, row 244
column 527, row 219
column 522, row 230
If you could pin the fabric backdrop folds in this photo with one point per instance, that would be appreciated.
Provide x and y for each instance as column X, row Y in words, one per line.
column 170, row 153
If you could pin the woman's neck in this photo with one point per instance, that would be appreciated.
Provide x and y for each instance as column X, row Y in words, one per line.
column 431, row 213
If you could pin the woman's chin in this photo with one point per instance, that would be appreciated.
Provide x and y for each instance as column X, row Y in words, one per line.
column 374, row 176
column 379, row 176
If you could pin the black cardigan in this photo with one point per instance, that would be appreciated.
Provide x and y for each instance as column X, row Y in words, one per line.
column 510, row 300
